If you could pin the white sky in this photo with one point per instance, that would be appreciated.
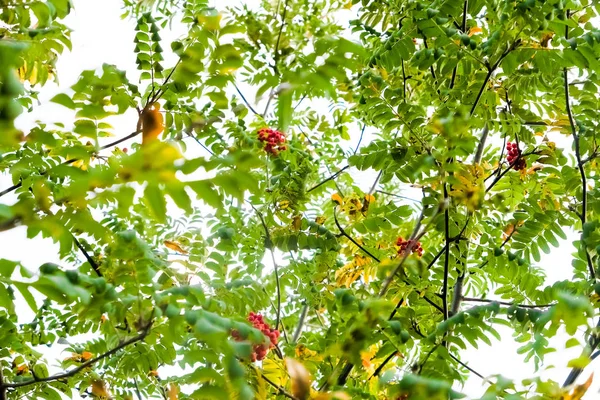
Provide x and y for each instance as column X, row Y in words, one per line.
column 100, row 36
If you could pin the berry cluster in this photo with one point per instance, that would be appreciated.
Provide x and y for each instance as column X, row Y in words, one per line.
column 514, row 154
column 405, row 244
column 259, row 351
column 273, row 140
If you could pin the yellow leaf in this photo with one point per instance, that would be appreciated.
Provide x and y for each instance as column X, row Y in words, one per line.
column 369, row 198
column 580, row 390
column 297, row 222
column 86, row 355
column 274, row 370
column 173, row 392
column 475, row 30
column 300, row 378
column 320, row 220
column 337, row 198
column 152, row 123
column 99, row 389
column 174, row 246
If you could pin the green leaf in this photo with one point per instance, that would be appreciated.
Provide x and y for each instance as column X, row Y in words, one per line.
column 155, row 199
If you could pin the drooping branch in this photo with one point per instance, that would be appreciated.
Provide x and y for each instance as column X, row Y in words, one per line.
column 64, row 375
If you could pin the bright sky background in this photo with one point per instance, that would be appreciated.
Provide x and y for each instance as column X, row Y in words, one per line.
column 101, row 36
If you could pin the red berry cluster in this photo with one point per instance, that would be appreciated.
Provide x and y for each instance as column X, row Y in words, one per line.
column 259, row 351
column 514, row 153
column 273, row 140
column 405, row 244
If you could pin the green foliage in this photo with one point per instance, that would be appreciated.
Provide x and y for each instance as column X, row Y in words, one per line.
column 396, row 124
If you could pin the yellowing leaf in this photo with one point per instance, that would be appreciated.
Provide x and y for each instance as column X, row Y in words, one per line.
column 174, row 246
column 86, row 355
column 474, row 30
column 337, row 198
column 369, row 198
column 99, row 389
column 579, row 390
column 300, row 378
column 274, row 370
column 173, row 392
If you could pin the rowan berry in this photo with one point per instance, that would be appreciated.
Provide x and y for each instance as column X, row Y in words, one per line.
column 273, row 140
column 259, row 351
column 411, row 243
column 514, row 156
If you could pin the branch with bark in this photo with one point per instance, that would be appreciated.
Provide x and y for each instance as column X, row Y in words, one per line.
column 67, row 374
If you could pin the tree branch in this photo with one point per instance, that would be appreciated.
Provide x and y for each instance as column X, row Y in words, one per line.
column 298, row 331
column 507, row 303
column 446, row 255
column 71, row 161
column 245, row 101
column 279, row 389
column 269, row 244
column 335, row 175
column 87, row 256
column 343, row 232
column 579, row 161
column 141, row 336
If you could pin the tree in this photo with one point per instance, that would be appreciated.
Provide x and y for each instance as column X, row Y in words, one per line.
column 241, row 243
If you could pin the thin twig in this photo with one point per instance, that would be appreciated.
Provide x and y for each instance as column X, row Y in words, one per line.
column 72, row 160
column 362, row 132
column 579, row 163
column 75, row 371
column 87, row 256
column 280, row 390
column 383, row 364
column 414, row 237
column 269, row 242
column 446, row 255
column 335, row 175
column 343, row 232
column 244, row 100
column 467, row 367
column 298, row 331
column 507, row 303
column 397, row 195
column 489, row 74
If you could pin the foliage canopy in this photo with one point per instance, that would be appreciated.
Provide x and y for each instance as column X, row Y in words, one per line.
column 225, row 208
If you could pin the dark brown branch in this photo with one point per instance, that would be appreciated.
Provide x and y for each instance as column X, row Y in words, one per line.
column 343, row 232
column 507, row 303
column 279, row 389
column 467, row 367
column 335, row 175
column 87, row 256
column 71, row 161
column 489, row 74
column 245, row 101
column 579, row 162
column 141, row 336
column 383, row 364
column 446, row 255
